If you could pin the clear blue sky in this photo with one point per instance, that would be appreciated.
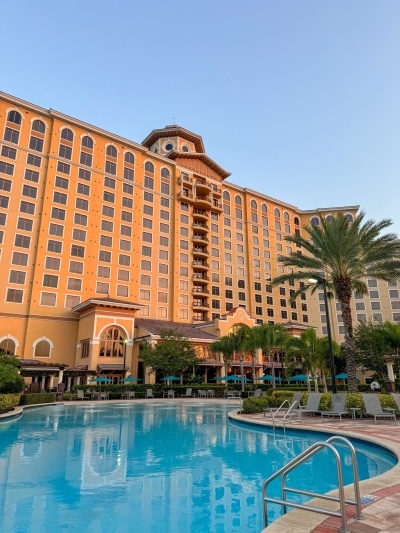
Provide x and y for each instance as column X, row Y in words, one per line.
column 299, row 99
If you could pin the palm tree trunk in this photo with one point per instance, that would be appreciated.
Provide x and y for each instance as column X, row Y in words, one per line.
column 343, row 290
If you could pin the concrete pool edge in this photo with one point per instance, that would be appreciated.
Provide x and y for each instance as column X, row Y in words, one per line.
column 297, row 521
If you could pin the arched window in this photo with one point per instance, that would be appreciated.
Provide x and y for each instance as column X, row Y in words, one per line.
column 286, row 216
column 7, row 346
column 149, row 167
column 111, row 151
column 67, row 135
column 14, row 117
column 238, row 200
column 296, row 221
column 253, row 204
column 349, row 217
column 226, row 196
column 277, row 213
column 329, row 218
column 314, row 221
column 87, row 142
column 129, row 158
column 38, row 125
column 112, row 342
column 165, row 173
column 264, row 208
column 185, row 149
column 42, row 349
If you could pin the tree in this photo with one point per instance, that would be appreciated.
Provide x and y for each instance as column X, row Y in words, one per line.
column 371, row 348
column 341, row 254
column 172, row 354
column 271, row 337
column 225, row 346
column 10, row 379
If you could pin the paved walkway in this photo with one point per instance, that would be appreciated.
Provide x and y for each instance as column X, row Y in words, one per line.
column 382, row 514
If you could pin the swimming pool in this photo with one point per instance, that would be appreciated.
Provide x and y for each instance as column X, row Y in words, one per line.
column 168, row 466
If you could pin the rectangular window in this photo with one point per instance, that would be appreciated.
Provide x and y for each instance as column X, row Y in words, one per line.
column 127, row 189
column 164, row 241
column 28, row 190
column 164, row 188
column 123, row 275
column 126, row 231
column 128, row 174
column 122, row 290
column 58, row 213
column 83, row 189
column 84, row 174
column 79, row 235
column 148, row 210
column 184, row 219
column 5, row 185
column 22, row 241
column 64, row 168
column 108, row 211
column 19, row 258
column 75, row 267
column 146, row 251
column 103, row 272
column 52, row 263
column 104, row 256
column 148, row 197
column 65, row 151
column 36, row 144
column 109, row 197
column 16, row 276
column 80, row 203
column 163, row 254
column 126, row 216
column 85, row 159
column 102, row 288
column 54, row 246
column 105, row 240
column 124, row 245
column 162, row 297
column 70, row 302
column 145, row 279
column 48, row 298
column 111, row 168
column 162, row 269
column 107, row 225
column 147, row 237
column 164, row 215
column 149, row 183
column 77, row 251
column 60, row 198
column 144, row 294
column 164, row 228
column 4, row 200
column 127, row 202
column 145, row 265
column 63, row 183
column 124, row 260
column 14, row 296
column 11, row 135
column 80, row 219
column 7, row 168
column 9, row 152
column 50, row 281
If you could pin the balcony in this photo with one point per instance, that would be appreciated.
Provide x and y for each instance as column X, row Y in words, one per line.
column 199, row 237
column 200, row 289
column 201, row 305
column 184, row 178
column 199, row 264
column 202, row 186
column 200, row 251
column 200, row 277
column 200, row 226
column 216, row 206
column 216, row 190
column 185, row 196
column 200, row 213
column 203, row 201
column 200, row 317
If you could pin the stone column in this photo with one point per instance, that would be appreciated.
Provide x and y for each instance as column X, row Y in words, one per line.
column 51, row 383
column 68, row 384
column 60, row 376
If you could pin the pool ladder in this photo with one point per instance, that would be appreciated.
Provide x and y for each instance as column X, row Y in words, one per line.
column 304, row 456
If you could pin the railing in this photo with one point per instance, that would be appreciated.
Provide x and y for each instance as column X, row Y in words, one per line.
column 200, row 212
column 196, row 275
column 300, row 459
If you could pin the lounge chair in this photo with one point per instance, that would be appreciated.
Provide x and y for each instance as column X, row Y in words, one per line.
column 211, row 393
column 80, row 395
column 188, row 394
column 373, row 408
column 396, row 398
column 169, row 394
column 338, row 407
column 256, row 394
column 149, row 393
column 202, row 394
column 311, row 407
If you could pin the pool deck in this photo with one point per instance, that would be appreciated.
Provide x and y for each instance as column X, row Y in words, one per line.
column 381, row 515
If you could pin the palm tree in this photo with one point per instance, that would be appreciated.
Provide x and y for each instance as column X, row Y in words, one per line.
column 304, row 347
column 391, row 334
column 269, row 338
column 225, row 346
column 239, row 336
column 341, row 254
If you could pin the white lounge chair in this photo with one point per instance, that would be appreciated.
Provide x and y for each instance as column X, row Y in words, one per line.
column 256, row 394
column 149, row 393
column 296, row 399
column 338, row 407
column 188, row 394
column 373, row 408
column 202, row 393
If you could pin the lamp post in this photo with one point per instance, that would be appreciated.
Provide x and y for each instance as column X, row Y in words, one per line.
column 123, row 370
column 323, row 282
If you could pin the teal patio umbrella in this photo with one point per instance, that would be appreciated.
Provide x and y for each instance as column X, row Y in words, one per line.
column 268, row 377
column 233, row 378
column 100, row 380
column 130, row 379
column 300, row 377
column 171, row 379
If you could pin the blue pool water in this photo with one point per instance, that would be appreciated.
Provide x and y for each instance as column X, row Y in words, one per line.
column 147, row 468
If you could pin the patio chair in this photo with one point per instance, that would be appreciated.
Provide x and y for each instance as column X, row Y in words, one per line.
column 80, row 395
column 149, row 393
column 210, row 393
column 202, row 394
column 104, row 396
column 311, row 407
column 256, row 394
column 373, row 408
column 338, row 407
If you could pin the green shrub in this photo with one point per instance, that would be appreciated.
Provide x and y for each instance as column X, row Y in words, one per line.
column 255, row 405
column 387, row 401
column 9, row 401
column 13, row 387
column 37, row 397
column 69, row 397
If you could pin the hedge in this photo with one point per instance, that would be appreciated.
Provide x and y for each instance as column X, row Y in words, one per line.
column 9, row 401
column 33, row 398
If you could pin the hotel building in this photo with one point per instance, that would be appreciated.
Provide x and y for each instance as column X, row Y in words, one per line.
column 103, row 239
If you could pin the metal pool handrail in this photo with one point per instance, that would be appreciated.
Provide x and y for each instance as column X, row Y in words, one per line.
column 307, row 454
